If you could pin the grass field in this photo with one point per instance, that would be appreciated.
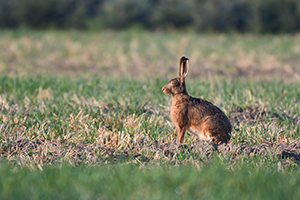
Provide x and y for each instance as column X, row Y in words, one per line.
column 82, row 116
column 131, row 182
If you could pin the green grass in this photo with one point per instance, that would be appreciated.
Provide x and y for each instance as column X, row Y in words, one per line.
column 156, row 182
column 82, row 115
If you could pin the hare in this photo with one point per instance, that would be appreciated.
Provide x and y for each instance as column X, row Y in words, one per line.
column 197, row 116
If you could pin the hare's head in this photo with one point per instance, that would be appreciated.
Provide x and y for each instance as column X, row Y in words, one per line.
column 177, row 85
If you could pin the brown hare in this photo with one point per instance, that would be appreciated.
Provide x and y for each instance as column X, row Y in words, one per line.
column 197, row 116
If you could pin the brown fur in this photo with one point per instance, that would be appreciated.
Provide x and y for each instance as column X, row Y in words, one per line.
column 197, row 116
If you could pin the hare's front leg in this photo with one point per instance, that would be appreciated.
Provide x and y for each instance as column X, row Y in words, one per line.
column 180, row 134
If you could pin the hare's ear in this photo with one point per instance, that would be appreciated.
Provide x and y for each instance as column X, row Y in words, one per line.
column 184, row 67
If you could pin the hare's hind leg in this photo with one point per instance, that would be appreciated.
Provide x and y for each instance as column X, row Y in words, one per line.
column 221, row 138
column 216, row 130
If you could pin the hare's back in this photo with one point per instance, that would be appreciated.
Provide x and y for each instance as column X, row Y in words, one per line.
column 205, row 108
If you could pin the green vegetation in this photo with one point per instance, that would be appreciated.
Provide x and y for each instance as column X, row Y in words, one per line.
column 82, row 116
column 131, row 182
column 246, row 16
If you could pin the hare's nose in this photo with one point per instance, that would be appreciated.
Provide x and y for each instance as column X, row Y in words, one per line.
column 162, row 89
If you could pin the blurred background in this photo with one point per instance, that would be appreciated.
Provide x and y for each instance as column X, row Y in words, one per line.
column 134, row 37
column 245, row 16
